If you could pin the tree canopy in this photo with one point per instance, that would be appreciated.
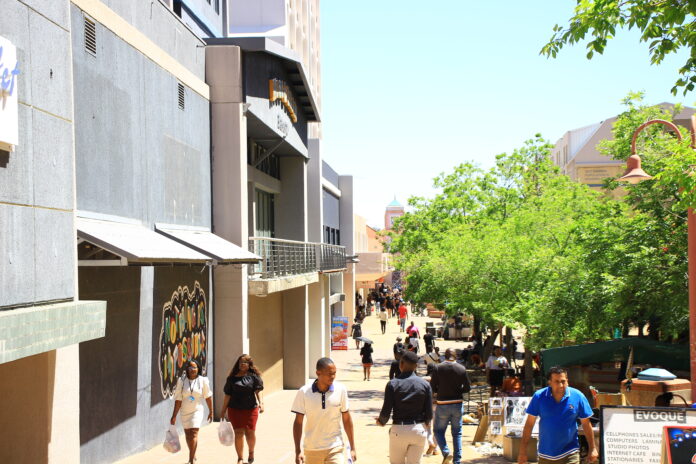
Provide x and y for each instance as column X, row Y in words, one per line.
column 665, row 26
column 522, row 245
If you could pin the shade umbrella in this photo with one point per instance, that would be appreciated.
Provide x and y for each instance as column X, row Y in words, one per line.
column 365, row 339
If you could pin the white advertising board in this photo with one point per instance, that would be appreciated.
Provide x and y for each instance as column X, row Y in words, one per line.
column 9, row 70
column 631, row 434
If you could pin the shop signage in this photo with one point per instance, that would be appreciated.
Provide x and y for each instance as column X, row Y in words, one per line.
column 280, row 90
column 635, row 434
column 9, row 70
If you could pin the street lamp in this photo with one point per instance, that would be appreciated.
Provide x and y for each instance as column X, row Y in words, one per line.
column 634, row 174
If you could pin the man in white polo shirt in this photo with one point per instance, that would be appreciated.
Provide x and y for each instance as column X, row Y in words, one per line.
column 323, row 403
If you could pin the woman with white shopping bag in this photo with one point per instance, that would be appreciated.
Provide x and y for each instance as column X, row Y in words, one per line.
column 190, row 390
column 243, row 403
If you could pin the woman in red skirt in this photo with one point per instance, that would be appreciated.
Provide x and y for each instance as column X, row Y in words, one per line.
column 243, row 403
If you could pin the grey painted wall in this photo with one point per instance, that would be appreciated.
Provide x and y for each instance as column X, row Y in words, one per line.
column 204, row 11
column 329, row 173
column 162, row 26
column 122, row 409
column 36, row 181
column 138, row 154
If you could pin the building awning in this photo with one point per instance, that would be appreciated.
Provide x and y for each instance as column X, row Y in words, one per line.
column 372, row 277
column 291, row 61
column 206, row 242
column 132, row 242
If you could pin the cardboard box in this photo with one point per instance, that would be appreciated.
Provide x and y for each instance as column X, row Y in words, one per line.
column 511, row 448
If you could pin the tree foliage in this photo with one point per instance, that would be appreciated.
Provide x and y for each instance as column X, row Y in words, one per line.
column 521, row 245
column 665, row 26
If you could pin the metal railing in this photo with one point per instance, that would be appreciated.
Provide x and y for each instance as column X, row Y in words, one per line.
column 288, row 257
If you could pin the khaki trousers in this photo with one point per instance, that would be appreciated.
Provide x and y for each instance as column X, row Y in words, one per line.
column 570, row 459
column 325, row 456
column 407, row 443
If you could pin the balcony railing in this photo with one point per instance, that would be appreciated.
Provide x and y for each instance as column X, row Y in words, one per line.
column 281, row 258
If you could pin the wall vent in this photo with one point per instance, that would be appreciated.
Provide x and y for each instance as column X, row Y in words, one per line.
column 90, row 36
column 182, row 96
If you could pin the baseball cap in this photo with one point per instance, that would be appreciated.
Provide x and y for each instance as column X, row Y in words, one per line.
column 398, row 339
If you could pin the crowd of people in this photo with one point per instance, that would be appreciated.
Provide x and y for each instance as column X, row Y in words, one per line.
column 421, row 407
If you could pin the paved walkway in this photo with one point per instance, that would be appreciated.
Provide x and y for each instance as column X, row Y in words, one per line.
column 274, row 428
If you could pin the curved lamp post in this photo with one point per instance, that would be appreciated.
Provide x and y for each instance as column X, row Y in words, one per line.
column 634, row 174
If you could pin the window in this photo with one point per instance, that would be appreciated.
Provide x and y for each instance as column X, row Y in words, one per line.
column 269, row 164
column 182, row 96
column 265, row 214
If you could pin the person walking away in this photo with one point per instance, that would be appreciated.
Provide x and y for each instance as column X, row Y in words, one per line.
column 394, row 369
column 558, row 407
column 408, row 400
column 242, row 404
column 366, row 353
column 390, row 304
column 323, row 405
column 190, row 390
column 449, row 382
column 415, row 343
column 398, row 346
column 429, row 340
column 458, row 326
column 383, row 316
column 356, row 333
column 495, row 369
column 403, row 313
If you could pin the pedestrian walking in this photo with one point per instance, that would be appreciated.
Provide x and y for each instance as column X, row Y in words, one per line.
column 383, row 316
column 394, row 370
column 366, row 353
column 558, row 407
column 323, row 405
column 242, row 404
column 413, row 330
column 408, row 400
column 398, row 346
column 190, row 390
column 429, row 340
column 356, row 332
column 449, row 382
column 495, row 369
column 403, row 313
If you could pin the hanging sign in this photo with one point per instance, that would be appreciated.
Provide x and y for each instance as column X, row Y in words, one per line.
column 339, row 333
column 9, row 116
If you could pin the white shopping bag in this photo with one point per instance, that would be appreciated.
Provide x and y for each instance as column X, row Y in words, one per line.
column 225, row 433
column 171, row 440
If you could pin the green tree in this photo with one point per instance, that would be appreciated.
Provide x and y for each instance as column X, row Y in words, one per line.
column 665, row 26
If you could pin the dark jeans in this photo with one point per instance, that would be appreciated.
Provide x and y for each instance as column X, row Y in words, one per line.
column 384, row 326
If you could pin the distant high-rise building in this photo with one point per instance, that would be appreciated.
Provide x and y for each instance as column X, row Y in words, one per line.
column 393, row 211
column 294, row 24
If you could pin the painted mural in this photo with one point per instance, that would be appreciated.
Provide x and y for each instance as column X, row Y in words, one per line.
column 183, row 335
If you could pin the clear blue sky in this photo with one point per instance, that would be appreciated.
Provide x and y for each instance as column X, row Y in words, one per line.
column 413, row 88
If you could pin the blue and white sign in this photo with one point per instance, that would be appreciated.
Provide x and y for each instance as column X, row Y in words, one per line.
column 9, row 72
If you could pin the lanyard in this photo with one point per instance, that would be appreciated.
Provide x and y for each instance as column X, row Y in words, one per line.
column 191, row 384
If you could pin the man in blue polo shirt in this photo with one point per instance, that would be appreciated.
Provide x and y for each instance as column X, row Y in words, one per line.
column 559, row 407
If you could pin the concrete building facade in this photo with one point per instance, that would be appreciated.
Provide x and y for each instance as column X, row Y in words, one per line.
column 577, row 155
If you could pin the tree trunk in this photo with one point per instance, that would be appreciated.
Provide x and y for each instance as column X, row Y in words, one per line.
column 490, row 343
column 508, row 344
column 528, row 373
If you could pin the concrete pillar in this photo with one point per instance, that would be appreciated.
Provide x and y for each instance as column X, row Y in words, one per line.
column 347, row 221
column 315, row 212
column 291, row 204
column 64, row 444
column 318, row 321
column 230, row 206
column 295, row 337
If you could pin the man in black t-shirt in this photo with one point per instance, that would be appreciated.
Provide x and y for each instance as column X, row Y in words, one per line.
column 398, row 346
column 429, row 340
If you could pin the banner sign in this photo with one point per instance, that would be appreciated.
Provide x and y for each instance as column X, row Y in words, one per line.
column 635, row 434
column 9, row 116
column 339, row 333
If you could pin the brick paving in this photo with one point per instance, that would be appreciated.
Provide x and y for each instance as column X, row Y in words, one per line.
column 274, row 428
